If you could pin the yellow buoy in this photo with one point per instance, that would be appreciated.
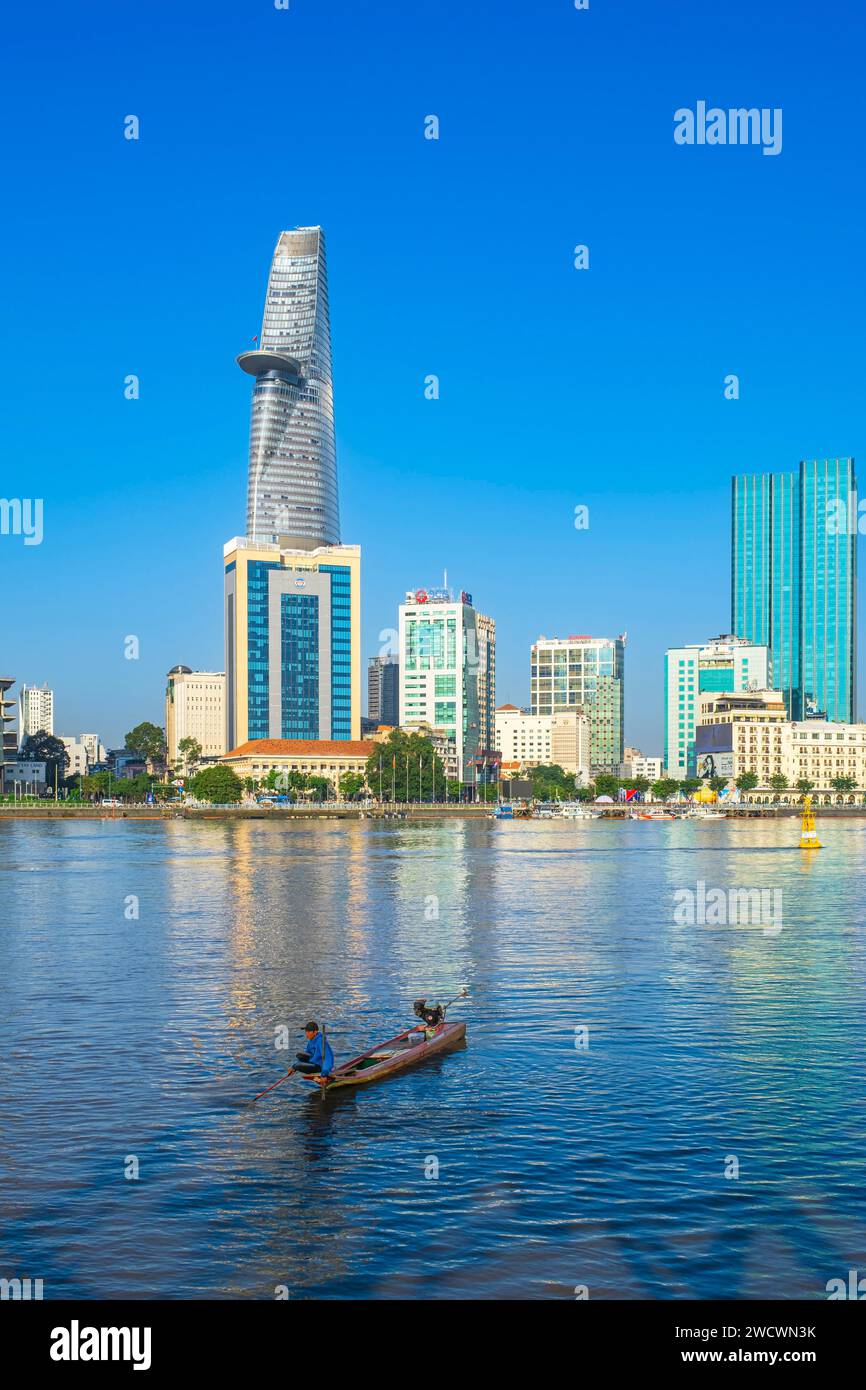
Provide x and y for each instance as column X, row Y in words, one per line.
column 808, row 833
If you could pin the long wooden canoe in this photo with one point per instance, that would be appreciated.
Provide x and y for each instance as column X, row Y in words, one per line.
column 406, row 1050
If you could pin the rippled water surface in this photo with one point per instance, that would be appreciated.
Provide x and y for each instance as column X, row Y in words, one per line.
column 710, row 1046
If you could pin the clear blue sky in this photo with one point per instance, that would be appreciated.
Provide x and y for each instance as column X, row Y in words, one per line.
column 454, row 257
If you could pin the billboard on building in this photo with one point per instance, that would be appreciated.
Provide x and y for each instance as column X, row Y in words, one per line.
column 714, row 750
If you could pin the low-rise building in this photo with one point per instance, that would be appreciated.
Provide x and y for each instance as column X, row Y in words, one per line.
column 522, row 738
column 329, row 758
column 635, row 765
column 195, row 707
column 534, row 740
column 27, row 777
column 821, row 750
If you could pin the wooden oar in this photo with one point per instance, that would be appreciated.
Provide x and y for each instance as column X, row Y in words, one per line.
column 324, row 1081
column 276, row 1083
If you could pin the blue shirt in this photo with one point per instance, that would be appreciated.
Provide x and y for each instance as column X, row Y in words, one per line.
column 314, row 1049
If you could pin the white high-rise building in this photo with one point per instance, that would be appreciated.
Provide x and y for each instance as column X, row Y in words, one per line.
column 723, row 665
column 446, row 671
column 77, row 766
column 35, row 711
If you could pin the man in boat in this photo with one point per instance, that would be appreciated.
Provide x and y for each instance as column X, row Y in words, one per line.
column 432, row 1014
column 318, row 1060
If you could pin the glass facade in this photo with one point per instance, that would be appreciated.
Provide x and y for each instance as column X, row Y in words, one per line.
column 793, row 581
column 299, row 642
column 827, row 591
column 299, row 664
column 585, row 673
column 258, row 648
column 341, row 649
column 292, row 493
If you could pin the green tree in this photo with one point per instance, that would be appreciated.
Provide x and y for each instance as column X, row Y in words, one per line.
column 190, row 751
column 747, row 781
column 321, row 788
column 717, row 784
column 550, row 782
column 842, row 785
column 95, row 785
column 217, row 784
column 148, row 741
column 664, row 787
column 637, row 784
column 804, row 786
column 42, row 747
column 690, row 785
column 779, row 783
column 606, row 785
column 406, row 760
column 351, row 784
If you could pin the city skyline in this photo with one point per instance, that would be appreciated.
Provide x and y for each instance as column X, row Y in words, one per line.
column 635, row 423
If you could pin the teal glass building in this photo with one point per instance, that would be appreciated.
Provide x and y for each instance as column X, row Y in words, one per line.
column 793, row 582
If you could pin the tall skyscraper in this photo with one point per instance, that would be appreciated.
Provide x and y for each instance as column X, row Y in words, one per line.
column 292, row 591
column 446, row 664
column 35, row 711
column 793, row 582
column 383, row 690
column 293, row 642
column 725, row 664
column 586, row 674
column 292, row 494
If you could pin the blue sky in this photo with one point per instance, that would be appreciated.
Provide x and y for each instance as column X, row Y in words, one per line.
column 452, row 257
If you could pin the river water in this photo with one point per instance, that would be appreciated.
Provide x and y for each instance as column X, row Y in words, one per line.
column 648, row 1105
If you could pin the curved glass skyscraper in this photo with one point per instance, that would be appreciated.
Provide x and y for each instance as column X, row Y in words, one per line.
column 292, row 493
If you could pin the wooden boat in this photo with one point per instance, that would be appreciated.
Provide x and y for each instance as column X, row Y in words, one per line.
column 406, row 1050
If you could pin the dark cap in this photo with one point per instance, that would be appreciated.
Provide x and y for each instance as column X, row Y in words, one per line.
column 311, row 1027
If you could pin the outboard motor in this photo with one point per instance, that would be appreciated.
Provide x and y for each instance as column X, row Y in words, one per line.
column 432, row 1014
